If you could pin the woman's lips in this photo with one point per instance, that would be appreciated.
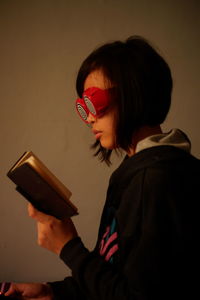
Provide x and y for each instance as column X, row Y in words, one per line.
column 97, row 134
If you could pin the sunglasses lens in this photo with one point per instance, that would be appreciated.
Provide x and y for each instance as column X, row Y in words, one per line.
column 81, row 111
column 90, row 105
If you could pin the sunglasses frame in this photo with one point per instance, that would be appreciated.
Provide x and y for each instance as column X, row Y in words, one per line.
column 94, row 101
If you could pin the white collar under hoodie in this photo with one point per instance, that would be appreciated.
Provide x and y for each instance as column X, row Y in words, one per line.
column 174, row 137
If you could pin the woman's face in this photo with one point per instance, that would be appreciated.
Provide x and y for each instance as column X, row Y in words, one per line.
column 102, row 127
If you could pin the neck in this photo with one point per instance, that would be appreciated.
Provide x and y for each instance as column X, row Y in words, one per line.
column 141, row 134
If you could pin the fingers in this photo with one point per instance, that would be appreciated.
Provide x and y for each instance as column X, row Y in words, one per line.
column 4, row 286
column 11, row 291
column 31, row 210
column 30, row 291
column 37, row 215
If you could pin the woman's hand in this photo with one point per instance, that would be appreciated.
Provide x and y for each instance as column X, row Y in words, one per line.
column 53, row 234
column 24, row 291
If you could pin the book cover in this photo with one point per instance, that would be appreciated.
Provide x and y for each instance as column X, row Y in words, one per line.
column 39, row 186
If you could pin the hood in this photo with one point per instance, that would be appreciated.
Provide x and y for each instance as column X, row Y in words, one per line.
column 174, row 137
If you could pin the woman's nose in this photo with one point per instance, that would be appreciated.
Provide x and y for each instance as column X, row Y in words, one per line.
column 91, row 119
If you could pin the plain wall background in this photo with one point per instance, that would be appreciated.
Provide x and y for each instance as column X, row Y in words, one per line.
column 42, row 44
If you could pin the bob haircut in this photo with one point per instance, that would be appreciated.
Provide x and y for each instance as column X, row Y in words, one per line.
column 142, row 86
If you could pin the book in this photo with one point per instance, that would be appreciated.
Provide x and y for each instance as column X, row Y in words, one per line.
column 36, row 183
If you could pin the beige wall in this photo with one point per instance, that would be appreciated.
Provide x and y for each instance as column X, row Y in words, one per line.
column 42, row 44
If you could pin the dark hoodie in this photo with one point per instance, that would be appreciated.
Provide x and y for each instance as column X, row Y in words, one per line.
column 149, row 231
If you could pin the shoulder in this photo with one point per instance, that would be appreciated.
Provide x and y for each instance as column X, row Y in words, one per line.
column 161, row 191
column 157, row 171
column 161, row 160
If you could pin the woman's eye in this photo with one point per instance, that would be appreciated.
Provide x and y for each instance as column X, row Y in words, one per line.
column 90, row 105
column 82, row 112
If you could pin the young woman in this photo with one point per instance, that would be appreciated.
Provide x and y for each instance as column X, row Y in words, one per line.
column 147, row 242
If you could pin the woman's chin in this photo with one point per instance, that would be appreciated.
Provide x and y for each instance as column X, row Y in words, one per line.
column 106, row 144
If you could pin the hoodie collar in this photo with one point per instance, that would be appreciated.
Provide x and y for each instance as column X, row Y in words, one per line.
column 174, row 137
